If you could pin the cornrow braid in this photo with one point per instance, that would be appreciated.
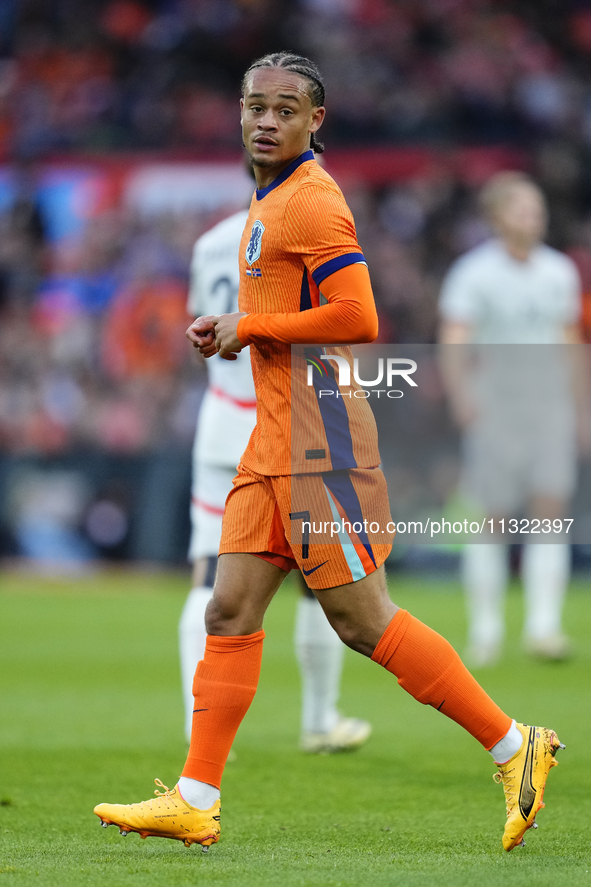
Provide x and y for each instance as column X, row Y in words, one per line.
column 297, row 64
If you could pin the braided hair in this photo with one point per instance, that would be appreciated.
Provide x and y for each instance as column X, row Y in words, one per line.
column 297, row 64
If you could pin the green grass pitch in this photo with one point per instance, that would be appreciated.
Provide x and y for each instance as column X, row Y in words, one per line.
column 91, row 711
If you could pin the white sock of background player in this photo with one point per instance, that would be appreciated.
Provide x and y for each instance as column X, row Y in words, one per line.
column 319, row 652
column 545, row 571
column 485, row 570
column 192, row 637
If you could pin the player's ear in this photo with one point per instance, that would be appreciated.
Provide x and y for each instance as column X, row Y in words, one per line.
column 317, row 119
column 241, row 109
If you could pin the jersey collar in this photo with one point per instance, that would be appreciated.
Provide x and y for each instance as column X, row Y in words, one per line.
column 307, row 155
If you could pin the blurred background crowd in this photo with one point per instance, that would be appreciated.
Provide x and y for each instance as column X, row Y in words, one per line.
column 120, row 145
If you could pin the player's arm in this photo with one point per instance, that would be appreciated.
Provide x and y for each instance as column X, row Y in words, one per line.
column 348, row 317
column 455, row 369
column 579, row 361
column 578, row 357
column 458, row 300
column 317, row 227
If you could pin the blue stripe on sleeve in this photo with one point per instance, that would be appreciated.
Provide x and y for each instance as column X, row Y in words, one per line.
column 333, row 265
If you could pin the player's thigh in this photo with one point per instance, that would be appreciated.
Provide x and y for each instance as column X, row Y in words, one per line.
column 244, row 587
column 494, row 471
column 348, row 537
column 303, row 586
column 360, row 611
column 245, row 582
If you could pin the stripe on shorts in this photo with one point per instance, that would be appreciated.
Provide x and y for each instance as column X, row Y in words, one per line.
column 347, row 547
column 345, row 506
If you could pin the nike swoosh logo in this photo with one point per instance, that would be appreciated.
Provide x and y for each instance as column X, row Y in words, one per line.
column 200, row 709
column 313, row 570
column 527, row 792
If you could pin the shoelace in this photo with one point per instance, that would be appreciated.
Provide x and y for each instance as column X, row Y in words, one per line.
column 165, row 787
column 164, row 796
column 508, row 782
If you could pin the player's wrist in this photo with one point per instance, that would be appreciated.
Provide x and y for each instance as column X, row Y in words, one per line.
column 242, row 331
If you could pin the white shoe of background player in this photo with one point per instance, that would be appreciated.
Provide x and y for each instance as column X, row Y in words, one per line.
column 347, row 735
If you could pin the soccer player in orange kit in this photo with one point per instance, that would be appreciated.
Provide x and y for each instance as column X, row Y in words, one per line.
column 304, row 281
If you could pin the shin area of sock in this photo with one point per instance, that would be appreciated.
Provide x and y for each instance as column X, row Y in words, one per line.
column 428, row 668
column 225, row 683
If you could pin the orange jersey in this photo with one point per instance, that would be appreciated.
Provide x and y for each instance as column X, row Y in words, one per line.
column 303, row 279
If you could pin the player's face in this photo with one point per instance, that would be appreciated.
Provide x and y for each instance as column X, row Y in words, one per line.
column 522, row 215
column 278, row 117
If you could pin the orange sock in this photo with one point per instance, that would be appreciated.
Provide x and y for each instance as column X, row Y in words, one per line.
column 225, row 683
column 429, row 668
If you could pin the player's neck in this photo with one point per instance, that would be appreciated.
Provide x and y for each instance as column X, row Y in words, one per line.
column 265, row 175
column 518, row 249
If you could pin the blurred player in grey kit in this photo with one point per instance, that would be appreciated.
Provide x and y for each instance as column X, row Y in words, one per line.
column 226, row 420
column 520, row 444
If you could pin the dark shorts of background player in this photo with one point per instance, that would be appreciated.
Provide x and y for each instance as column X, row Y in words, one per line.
column 335, row 526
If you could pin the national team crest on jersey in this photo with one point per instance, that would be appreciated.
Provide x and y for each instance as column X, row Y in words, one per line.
column 253, row 250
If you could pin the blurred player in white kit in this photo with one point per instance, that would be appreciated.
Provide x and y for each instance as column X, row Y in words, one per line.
column 515, row 290
column 226, row 419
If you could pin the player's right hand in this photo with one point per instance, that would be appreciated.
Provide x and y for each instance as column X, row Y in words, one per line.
column 201, row 334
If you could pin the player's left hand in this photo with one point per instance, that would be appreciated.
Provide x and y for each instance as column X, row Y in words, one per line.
column 202, row 334
column 226, row 340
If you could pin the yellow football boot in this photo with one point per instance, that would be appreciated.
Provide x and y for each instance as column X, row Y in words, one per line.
column 524, row 780
column 166, row 816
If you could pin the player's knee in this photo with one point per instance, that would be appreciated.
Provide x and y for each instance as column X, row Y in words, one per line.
column 227, row 617
column 349, row 633
column 217, row 624
column 216, row 618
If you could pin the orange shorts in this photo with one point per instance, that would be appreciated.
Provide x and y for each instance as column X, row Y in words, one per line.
column 335, row 527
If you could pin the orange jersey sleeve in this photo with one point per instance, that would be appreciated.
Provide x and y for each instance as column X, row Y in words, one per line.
column 318, row 227
column 349, row 315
